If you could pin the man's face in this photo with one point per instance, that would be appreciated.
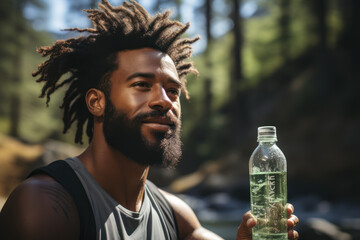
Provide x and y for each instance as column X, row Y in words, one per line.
column 142, row 115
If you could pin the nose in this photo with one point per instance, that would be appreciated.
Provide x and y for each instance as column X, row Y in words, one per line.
column 160, row 101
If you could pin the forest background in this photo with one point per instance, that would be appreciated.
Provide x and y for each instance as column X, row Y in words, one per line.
column 291, row 64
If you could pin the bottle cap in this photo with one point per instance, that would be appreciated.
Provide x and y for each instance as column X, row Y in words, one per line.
column 267, row 133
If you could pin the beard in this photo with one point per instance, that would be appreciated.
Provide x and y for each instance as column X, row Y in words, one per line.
column 124, row 134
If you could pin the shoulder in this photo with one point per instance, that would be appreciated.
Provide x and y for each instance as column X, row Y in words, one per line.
column 39, row 208
column 188, row 224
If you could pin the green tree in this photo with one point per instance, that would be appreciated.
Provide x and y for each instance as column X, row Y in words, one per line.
column 18, row 42
column 238, row 107
column 209, row 41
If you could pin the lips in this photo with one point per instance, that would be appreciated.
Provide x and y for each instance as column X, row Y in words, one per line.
column 158, row 123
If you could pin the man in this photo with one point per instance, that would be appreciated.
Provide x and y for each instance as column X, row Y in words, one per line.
column 126, row 78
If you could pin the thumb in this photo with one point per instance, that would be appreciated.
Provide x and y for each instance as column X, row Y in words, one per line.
column 244, row 231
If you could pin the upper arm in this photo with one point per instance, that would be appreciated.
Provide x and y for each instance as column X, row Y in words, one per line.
column 39, row 208
column 188, row 224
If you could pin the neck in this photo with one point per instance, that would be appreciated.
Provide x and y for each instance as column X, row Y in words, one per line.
column 121, row 177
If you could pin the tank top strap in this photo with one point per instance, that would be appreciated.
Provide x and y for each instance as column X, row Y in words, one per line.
column 166, row 210
column 65, row 175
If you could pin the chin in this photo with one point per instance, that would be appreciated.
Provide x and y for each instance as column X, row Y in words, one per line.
column 153, row 138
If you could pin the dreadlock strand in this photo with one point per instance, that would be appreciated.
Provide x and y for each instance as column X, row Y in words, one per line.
column 126, row 16
column 74, row 110
column 159, row 18
column 153, row 22
column 98, row 25
column 66, row 118
column 81, row 118
column 122, row 9
column 186, row 93
column 186, row 41
column 131, row 16
column 141, row 19
column 46, row 90
column 79, row 131
column 181, row 53
column 70, row 79
column 142, row 10
column 70, row 94
column 90, row 127
column 107, row 4
column 184, row 66
column 160, row 31
column 174, row 36
column 186, row 72
column 111, row 15
column 98, row 18
column 40, row 70
column 52, row 79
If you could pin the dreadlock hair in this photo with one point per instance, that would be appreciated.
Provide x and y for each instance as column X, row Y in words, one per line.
column 91, row 59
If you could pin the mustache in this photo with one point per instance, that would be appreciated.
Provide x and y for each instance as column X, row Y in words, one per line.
column 169, row 117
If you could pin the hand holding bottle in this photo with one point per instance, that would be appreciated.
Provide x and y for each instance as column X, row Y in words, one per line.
column 248, row 222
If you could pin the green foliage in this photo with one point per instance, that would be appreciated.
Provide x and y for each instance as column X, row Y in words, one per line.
column 261, row 58
column 18, row 42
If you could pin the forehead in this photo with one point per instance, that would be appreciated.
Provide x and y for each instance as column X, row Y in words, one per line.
column 146, row 60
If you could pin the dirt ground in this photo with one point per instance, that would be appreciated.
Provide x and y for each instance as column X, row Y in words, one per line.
column 16, row 160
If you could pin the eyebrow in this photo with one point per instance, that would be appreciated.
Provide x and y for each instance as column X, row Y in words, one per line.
column 152, row 75
column 140, row 74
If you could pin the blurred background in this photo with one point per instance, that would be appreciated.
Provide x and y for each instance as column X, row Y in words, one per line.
column 291, row 64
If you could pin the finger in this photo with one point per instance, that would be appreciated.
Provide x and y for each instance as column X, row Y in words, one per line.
column 292, row 221
column 251, row 221
column 289, row 208
column 292, row 234
column 248, row 222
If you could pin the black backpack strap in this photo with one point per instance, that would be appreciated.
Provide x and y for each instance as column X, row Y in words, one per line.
column 65, row 175
column 166, row 209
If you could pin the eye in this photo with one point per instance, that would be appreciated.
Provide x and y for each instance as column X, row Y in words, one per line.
column 175, row 91
column 141, row 85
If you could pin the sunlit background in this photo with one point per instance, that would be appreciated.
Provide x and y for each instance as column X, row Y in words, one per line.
column 292, row 64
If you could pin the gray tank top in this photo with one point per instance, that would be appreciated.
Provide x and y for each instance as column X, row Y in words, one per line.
column 113, row 221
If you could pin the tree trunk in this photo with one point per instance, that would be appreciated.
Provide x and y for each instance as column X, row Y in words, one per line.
column 323, row 60
column 14, row 115
column 208, row 81
column 15, row 100
column 321, row 12
column 350, row 38
column 238, row 110
column 284, row 22
column 350, row 45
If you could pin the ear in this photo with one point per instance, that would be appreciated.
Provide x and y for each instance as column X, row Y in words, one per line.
column 95, row 101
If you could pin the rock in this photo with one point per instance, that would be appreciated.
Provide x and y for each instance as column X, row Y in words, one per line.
column 321, row 229
column 218, row 175
column 55, row 150
column 16, row 160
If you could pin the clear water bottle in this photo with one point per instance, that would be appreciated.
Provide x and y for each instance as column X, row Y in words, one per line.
column 268, row 188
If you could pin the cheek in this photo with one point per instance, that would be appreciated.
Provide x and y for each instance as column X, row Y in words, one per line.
column 177, row 109
column 136, row 100
column 130, row 103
